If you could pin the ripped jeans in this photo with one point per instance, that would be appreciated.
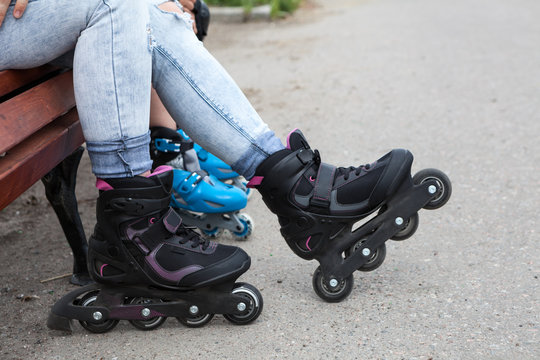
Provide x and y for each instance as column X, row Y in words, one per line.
column 120, row 49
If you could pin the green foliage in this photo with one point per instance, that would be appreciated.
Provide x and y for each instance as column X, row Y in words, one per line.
column 244, row 3
column 279, row 7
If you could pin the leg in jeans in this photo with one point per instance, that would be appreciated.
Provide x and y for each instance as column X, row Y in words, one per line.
column 112, row 71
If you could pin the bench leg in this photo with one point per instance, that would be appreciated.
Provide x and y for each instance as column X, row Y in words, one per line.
column 60, row 191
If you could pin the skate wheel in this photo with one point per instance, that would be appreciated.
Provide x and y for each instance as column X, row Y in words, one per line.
column 248, row 224
column 332, row 294
column 444, row 187
column 408, row 230
column 148, row 324
column 376, row 258
column 98, row 327
column 213, row 233
column 252, row 305
column 195, row 321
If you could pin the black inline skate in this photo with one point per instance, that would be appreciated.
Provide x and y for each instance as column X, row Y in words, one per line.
column 148, row 266
column 318, row 204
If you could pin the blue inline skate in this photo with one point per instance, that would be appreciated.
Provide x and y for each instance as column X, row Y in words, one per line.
column 201, row 199
column 217, row 167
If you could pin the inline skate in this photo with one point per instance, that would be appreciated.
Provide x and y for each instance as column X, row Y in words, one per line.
column 148, row 266
column 318, row 204
column 202, row 200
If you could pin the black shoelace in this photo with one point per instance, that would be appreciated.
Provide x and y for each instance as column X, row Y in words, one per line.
column 188, row 234
column 342, row 170
column 347, row 171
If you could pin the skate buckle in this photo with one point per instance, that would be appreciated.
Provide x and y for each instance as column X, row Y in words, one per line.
column 167, row 145
column 190, row 183
column 305, row 156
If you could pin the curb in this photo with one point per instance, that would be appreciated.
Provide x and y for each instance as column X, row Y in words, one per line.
column 237, row 14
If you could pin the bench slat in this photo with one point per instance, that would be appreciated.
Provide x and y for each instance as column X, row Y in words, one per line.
column 11, row 80
column 26, row 113
column 30, row 161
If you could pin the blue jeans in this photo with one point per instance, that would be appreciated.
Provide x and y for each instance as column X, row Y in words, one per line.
column 121, row 48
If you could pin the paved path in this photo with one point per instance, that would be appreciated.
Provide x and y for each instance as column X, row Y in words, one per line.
column 458, row 83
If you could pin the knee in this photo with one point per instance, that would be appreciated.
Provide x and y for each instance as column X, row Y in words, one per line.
column 170, row 6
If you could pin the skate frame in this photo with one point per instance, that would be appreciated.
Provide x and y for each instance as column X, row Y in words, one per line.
column 211, row 300
column 407, row 201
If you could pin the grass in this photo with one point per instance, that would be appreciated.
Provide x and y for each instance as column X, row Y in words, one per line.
column 279, row 7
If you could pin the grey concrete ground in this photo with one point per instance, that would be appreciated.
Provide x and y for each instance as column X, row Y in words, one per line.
column 458, row 83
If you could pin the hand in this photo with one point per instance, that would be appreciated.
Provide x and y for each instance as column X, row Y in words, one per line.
column 18, row 10
column 192, row 18
column 188, row 4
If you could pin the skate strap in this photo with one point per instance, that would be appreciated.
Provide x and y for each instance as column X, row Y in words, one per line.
column 323, row 185
column 134, row 206
column 161, row 229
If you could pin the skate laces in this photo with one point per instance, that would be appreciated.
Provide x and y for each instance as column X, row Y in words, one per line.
column 189, row 235
column 345, row 171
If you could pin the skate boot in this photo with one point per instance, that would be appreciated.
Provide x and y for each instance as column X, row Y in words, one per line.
column 202, row 200
column 317, row 205
column 148, row 266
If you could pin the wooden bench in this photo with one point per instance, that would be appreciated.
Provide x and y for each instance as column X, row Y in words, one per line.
column 41, row 138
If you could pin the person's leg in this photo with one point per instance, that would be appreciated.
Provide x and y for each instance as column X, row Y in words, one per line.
column 159, row 116
column 115, row 79
column 202, row 98
column 111, row 70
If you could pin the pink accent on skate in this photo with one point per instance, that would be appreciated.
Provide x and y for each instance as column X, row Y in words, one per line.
column 101, row 269
column 307, row 243
column 160, row 170
column 174, row 276
column 102, row 185
column 255, row 181
column 152, row 220
column 311, row 178
column 288, row 136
